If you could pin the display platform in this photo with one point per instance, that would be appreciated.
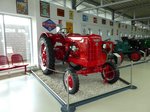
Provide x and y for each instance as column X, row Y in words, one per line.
column 92, row 88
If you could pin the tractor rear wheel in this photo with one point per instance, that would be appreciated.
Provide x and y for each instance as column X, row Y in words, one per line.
column 110, row 73
column 46, row 55
column 135, row 56
column 71, row 79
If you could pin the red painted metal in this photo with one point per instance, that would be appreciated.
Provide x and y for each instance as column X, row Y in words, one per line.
column 70, row 82
column 122, row 56
column 135, row 56
column 59, row 52
column 88, row 52
column 109, row 46
column 108, row 72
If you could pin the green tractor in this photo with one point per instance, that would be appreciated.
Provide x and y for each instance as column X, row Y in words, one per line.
column 141, row 44
column 124, row 48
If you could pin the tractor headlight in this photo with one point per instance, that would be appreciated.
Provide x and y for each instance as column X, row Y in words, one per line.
column 74, row 48
column 104, row 46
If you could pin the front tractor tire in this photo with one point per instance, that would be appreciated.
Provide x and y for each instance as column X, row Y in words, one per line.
column 110, row 73
column 46, row 55
column 71, row 79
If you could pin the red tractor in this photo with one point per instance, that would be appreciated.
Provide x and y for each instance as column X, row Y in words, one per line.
column 83, row 53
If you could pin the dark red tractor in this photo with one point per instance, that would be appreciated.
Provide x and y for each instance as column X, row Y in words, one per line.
column 83, row 53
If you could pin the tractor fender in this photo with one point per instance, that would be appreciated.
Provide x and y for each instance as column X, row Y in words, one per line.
column 118, row 58
column 49, row 35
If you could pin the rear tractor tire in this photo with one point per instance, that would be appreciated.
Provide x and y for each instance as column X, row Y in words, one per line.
column 135, row 56
column 46, row 55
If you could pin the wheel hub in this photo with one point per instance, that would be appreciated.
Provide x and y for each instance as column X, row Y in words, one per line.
column 134, row 56
column 43, row 54
column 109, row 73
column 70, row 82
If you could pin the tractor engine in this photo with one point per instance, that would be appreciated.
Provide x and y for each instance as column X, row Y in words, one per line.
column 85, row 50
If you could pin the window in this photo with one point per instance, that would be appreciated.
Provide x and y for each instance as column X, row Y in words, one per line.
column 15, row 37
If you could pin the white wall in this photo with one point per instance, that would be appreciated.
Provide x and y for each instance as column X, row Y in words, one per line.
column 9, row 7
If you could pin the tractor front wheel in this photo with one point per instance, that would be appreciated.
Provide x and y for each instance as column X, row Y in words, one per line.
column 110, row 73
column 71, row 79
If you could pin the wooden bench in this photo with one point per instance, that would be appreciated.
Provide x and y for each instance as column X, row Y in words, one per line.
column 16, row 62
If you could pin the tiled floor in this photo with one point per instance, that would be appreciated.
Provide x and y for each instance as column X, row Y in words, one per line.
column 26, row 94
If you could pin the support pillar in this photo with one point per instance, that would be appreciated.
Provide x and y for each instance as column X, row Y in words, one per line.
column 73, row 3
column 113, row 15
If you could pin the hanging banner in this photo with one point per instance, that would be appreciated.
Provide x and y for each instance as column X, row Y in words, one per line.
column 94, row 20
column 49, row 25
column 22, row 6
column 69, row 26
column 103, row 21
column 44, row 9
column 85, row 18
column 71, row 14
column 60, row 12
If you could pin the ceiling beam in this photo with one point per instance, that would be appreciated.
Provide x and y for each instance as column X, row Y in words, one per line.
column 133, row 7
column 93, row 2
column 137, row 19
column 105, row 5
column 80, row 2
column 142, row 18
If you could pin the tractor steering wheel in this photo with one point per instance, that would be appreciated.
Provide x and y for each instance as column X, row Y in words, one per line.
column 63, row 32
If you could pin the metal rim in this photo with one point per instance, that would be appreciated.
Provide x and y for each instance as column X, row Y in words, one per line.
column 43, row 56
column 68, row 77
column 135, row 56
column 108, row 72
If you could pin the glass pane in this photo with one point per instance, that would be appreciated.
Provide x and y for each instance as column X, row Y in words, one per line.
column 18, row 36
column 2, row 42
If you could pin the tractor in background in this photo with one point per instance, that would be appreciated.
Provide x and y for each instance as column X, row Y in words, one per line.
column 124, row 48
column 141, row 44
column 83, row 53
